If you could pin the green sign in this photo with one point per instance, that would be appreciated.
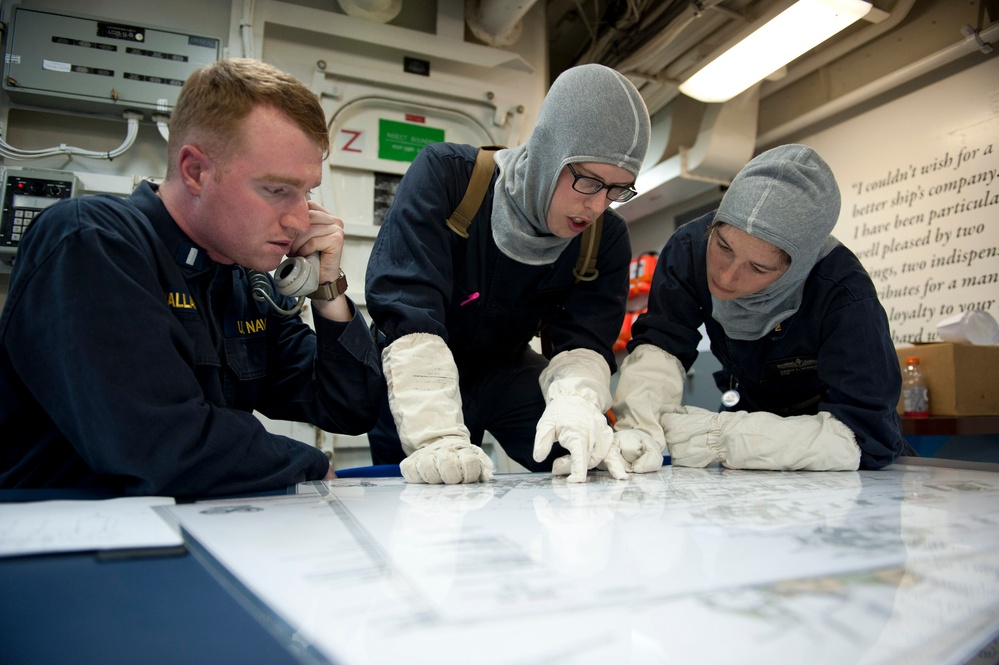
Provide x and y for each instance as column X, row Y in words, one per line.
column 401, row 141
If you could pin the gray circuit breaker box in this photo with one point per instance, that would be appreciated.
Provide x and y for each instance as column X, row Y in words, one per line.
column 96, row 65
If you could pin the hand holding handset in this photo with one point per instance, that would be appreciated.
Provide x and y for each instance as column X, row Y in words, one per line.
column 297, row 277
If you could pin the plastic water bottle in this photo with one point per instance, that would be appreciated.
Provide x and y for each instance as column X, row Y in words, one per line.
column 915, row 396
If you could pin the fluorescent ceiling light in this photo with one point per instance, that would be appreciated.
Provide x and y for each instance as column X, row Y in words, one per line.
column 800, row 27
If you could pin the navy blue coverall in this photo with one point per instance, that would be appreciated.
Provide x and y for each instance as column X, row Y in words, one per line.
column 131, row 361
column 424, row 278
column 834, row 354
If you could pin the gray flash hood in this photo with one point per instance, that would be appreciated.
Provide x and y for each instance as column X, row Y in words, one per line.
column 788, row 197
column 590, row 114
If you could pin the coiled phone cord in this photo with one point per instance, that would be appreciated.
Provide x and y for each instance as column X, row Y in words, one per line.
column 260, row 289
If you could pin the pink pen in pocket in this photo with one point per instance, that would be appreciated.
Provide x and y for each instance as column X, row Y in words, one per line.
column 469, row 299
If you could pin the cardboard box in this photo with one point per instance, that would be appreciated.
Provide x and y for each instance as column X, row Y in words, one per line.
column 963, row 379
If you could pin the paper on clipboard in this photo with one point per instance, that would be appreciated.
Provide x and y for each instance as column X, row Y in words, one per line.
column 43, row 527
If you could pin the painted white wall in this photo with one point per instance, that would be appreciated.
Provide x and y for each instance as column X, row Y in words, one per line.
column 921, row 198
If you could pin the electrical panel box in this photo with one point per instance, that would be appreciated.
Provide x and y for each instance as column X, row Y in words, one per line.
column 26, row 193
column 100, row 66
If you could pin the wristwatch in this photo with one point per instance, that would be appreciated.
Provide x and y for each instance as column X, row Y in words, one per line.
column 330, row 290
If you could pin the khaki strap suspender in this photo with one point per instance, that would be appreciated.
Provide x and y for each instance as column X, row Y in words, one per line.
column 586, row 264
column 482, row 175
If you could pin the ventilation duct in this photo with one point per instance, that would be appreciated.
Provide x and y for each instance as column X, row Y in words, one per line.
column 695, row 147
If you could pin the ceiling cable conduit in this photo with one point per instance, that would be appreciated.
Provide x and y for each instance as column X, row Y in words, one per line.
column 246, row 29
column 657, row 65
column 600, row 43
column 132, row 119
column 629, row 33
column 162, row 125
column 648, row 58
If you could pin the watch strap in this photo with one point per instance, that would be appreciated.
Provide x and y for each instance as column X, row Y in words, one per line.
column 330, row 290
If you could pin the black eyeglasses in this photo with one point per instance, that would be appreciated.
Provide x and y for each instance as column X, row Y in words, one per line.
column 587, row 185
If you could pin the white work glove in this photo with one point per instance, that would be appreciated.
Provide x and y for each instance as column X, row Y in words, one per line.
column 425, row 401
column 576, row 386
column 760, row 440
column 651, row 380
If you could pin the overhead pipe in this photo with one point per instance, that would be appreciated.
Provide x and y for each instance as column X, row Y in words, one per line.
column 246, row 29
column 497, row 22
column 380, row 11
column 722, row 144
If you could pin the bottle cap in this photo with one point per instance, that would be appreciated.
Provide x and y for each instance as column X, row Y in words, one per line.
column 912, row 360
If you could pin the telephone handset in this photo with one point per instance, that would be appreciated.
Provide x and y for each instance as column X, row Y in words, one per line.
column 297, row 277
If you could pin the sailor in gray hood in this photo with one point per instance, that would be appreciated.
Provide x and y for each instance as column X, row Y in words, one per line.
column 456, row 315
column 810, row 378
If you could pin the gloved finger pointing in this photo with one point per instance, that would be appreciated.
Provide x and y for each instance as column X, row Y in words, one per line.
column 580, row 455
column 603, row 441
column 615, row 464
column 544, row 440
column 579, row 467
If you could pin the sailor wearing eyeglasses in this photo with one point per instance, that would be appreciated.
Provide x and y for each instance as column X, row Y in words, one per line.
column 455, row 316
